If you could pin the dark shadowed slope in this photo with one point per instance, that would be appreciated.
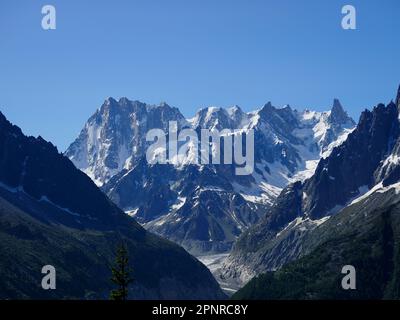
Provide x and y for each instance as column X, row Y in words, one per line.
column 52, row 213
column 365, row 235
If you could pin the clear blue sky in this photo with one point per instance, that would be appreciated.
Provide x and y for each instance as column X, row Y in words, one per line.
column 191, row 54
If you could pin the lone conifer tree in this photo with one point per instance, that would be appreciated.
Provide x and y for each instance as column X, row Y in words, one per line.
column 121, row 274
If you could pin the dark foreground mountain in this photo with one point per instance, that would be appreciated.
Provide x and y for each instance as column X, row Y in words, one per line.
column 365, row 235
column 367, row 159
column 53, row 214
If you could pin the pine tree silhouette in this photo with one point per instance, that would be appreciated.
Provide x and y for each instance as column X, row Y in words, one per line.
column 121, row 274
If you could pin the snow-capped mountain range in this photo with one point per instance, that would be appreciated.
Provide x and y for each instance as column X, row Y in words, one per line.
column 203, row 207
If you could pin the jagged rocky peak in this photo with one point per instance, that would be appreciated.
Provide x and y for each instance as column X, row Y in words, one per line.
column 268, row 106
column 110, row 101
column 113, row 111
column 124, row 103
column 109, row 105
column 398, row 98
column 269, row 112
column 236, row 113
column 277, row 124
column 114, row 137
column 208, row 112
column 219, row 118
column 15, row 134
column 337, row 114
column 163, row 104
column 235, row 109
column 367, row 145
column 5, row 124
